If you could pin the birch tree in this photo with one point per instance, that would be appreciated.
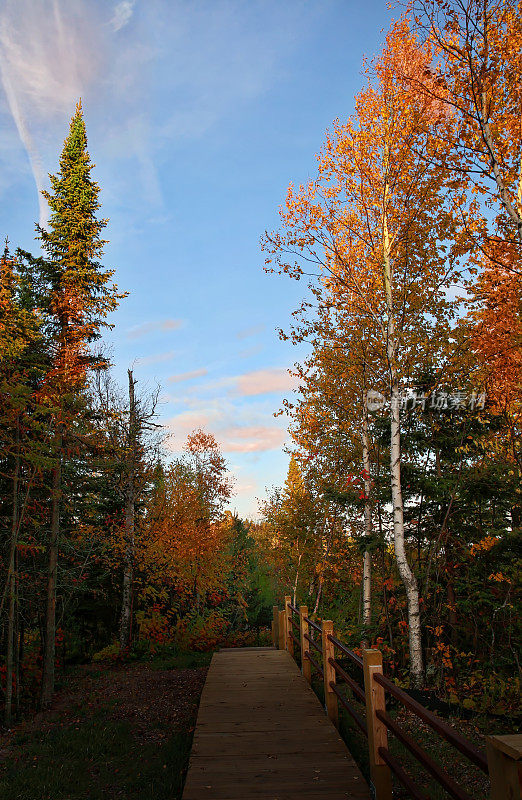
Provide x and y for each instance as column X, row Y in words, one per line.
column 475, row 74
column 376, row 221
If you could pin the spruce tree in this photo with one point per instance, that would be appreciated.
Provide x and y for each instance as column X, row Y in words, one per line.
column 81, row 295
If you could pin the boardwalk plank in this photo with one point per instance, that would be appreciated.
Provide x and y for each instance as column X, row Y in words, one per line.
column 262, row 734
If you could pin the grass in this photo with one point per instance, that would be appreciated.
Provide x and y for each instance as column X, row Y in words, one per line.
column 464, row 772
column 92, row 760
column 179, row 660
column 104, row 740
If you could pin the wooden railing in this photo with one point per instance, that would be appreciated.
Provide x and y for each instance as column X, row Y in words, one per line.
column 366, row 704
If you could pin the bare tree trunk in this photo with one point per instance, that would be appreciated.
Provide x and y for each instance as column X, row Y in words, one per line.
column 50, row 618
column 11, row 621
column 452, row 611
column 407, row 576
column 296, row 581
column 126, row 606
column 368, row 527
column 128, row 571
column 19, row 638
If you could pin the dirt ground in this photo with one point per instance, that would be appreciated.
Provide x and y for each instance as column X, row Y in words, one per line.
column 113, row 732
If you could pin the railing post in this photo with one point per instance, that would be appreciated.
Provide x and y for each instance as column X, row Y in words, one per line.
column 275, row 625
column 505, row 766
column 306, row 667
column 381, row 783
column 288, row 625
column 281, row 632
column 330, row 698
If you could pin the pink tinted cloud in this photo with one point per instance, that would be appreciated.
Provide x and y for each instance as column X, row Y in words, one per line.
column 170, row 324
column 245, row 488
column 249, row 352
column 150, row 327
column 157, row 358
column 181, row 425
column 251, row 439
column 232, row 438
column 252, row 331
column 263, row 381
column 188, row 376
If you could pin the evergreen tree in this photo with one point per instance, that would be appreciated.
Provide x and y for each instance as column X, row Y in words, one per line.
column 81, row 295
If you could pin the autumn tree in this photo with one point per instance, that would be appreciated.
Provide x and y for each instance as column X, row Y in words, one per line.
column 184, row 555
column 376, row 220
column 131, row 442
column 296, row 526
column 475, row 74
column 330, row 421
column 212, row 488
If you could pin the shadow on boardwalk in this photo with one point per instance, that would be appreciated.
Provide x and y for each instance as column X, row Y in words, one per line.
column 262, row 733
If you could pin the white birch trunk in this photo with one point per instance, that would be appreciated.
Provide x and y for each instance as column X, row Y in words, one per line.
column 367, row 560
column 407, row 576
column 296, row 581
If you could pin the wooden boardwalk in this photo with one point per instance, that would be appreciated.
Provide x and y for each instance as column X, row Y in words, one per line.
column 262, row 734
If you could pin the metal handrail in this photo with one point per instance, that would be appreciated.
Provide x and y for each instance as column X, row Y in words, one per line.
column 402, row 775
column 466, row 748
column 356, row 689
column 314, row 663
column 342, row 647
column 474, row 754
column 351, row 710
column 435, row 769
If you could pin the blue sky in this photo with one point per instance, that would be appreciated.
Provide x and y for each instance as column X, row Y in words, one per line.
column 199, row 114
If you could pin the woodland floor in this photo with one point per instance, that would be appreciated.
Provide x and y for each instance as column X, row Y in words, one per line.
column 113, row 732
column 124, row 732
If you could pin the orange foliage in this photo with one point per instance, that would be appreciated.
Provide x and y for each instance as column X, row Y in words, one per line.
column 497, row 334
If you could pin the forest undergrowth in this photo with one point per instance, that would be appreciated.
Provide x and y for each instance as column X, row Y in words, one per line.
column 115, row 730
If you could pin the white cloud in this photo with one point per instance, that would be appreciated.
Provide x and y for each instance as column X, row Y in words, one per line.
column 122, row 14
column 179, row 69
column 245, row 488
column 49, row 55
